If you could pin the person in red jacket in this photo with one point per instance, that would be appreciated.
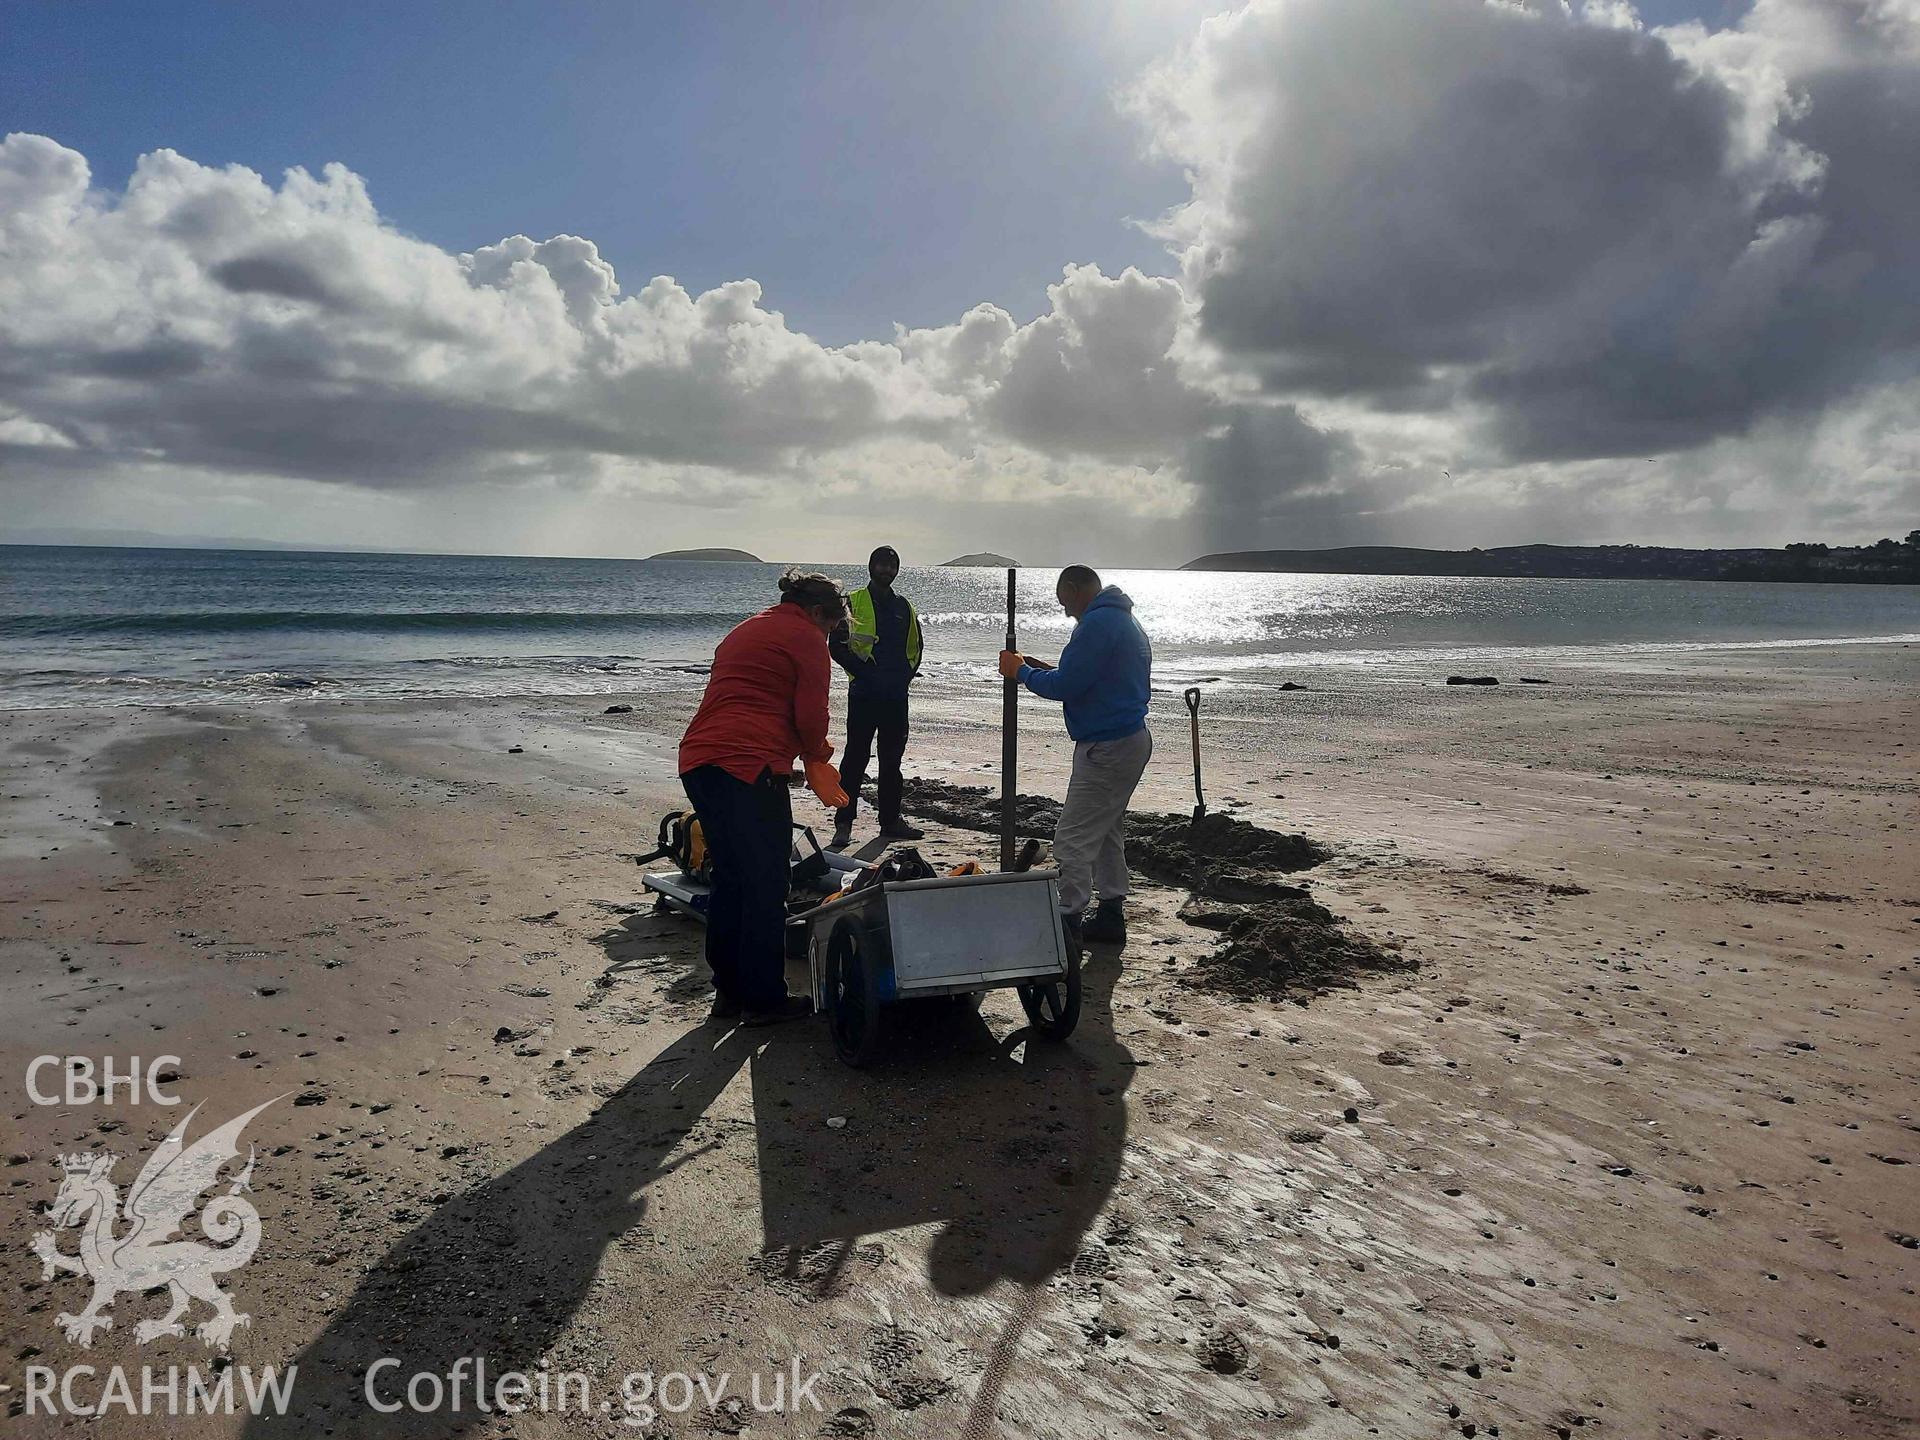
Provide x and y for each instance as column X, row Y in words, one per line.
column 766, row 702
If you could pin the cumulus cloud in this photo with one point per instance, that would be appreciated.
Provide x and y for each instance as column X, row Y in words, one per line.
column 209, row 318
column 205, row 319
column 1102, row 373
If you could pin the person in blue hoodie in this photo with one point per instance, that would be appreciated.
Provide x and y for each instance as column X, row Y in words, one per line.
column 1102, row 684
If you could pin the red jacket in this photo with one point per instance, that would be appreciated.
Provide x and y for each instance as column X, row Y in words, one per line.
column 766, row 699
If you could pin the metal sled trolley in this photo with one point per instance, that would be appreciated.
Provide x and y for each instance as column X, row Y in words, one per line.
column 955, row 935
column 808, row 865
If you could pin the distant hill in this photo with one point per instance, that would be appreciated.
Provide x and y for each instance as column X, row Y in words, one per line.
column 985, row 557
column 1890, row 562
column 710, row 554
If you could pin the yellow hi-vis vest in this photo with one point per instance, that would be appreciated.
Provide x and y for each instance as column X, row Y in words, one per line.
column 863, row 630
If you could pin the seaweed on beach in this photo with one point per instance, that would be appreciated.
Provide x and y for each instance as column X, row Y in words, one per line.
column 1220, row 857
column 1278, row 941
column 975, row 807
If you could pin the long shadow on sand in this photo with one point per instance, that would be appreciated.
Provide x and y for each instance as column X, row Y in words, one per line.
column 1010, row 1144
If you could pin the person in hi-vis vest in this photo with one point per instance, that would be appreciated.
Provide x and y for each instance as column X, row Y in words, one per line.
column 881, row 649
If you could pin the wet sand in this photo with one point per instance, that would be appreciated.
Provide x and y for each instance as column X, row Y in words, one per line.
column 1627, row 1154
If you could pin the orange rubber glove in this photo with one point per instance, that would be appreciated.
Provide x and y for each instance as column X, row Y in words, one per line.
column 824, row 781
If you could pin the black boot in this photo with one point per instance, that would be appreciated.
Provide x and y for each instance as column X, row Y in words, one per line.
column 1070, row 928
column 1105, row 924
column 794, row 1007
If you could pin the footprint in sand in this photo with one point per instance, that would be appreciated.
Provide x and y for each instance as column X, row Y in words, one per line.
column 852, row 1423
column 890, row 1353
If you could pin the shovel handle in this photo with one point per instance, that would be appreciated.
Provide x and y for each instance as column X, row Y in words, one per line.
column 1192, row 697
column 1009, row 739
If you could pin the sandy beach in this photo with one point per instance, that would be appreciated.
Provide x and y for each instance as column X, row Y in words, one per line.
column 1628, row 1153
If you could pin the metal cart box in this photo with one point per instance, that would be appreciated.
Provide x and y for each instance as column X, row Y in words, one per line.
column 951, row 935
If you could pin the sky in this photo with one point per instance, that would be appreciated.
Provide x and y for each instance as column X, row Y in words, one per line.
column 1127, row 282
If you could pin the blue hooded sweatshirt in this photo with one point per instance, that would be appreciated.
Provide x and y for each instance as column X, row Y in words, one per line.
column 1104, row 672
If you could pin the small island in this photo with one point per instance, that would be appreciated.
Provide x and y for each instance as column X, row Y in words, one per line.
column 739, row 556
column 985, row 557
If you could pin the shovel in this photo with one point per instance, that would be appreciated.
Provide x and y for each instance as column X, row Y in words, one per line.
column 1192, row 697
column 1009, row 742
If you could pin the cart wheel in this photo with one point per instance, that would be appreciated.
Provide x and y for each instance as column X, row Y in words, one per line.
column 853, row 992
column 1053, row 1006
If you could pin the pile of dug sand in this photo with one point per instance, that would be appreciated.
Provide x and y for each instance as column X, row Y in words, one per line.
column 1278, row 941
column 1284, row 949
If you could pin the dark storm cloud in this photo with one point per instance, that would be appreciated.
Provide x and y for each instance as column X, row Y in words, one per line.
column 1601, row 237
column 1470, row 166
column 1267, row 465
column 1824, row 300
column 162, row 358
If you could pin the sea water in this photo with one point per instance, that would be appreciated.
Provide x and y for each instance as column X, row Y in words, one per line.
column 88, row 626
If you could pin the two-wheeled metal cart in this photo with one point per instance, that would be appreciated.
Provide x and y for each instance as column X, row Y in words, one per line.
column 954, row 935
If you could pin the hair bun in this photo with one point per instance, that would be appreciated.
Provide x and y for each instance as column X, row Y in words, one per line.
column 808, row 589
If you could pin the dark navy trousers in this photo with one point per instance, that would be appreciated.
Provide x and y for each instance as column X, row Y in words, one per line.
column 749, row 832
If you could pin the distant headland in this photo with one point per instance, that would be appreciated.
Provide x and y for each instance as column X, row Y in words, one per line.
column 1888, row 562
column 709, row 554
column 985, row 557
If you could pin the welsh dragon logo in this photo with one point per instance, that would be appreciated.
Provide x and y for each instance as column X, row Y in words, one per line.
column 146, row 1255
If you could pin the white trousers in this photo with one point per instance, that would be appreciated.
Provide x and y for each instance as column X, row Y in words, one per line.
column 1089, row 844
